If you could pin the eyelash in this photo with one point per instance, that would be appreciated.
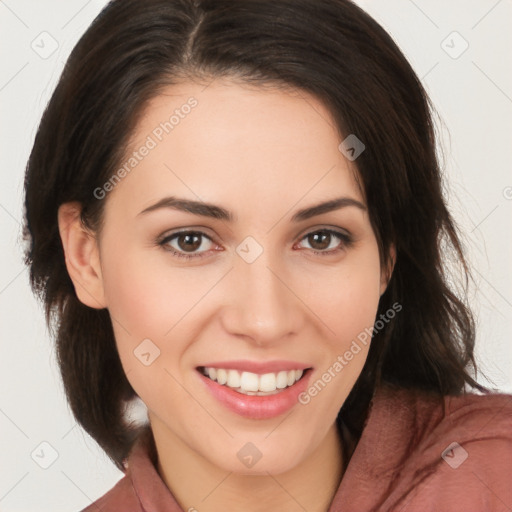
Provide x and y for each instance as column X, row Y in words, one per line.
column 343, row 237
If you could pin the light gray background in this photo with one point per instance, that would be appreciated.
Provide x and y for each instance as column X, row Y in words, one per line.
column 473, row 94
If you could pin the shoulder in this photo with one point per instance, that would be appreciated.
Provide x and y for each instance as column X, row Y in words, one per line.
column 461, row 456
column 467, row 415
column 475, row 422
column 121, row 497
column 141, row 488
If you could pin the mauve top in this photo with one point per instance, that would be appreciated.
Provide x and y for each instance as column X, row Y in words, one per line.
column 409, row 458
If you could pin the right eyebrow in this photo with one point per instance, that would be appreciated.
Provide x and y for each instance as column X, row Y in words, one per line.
column 327, row 206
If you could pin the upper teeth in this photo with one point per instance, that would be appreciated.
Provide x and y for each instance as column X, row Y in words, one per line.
column 247, row 382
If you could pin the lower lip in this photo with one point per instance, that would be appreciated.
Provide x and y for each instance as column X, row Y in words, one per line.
column 257, row 407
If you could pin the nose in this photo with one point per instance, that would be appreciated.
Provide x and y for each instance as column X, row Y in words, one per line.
column 263, row 305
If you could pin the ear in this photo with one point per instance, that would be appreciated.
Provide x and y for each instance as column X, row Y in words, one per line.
column 387, row 271
column 82, row 256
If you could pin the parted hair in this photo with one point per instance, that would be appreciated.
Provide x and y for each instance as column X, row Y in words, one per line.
column 331, row 49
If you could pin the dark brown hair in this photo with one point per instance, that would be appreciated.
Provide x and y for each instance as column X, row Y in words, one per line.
column 329, row 48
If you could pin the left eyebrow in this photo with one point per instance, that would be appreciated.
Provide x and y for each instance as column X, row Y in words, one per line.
column 328, row 206
column 218, row 212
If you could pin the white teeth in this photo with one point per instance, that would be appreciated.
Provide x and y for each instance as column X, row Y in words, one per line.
column 222, row 376
column 250, row 383
column 233, row 379
column 258, row 393
column 268, row 382
column 282, row 380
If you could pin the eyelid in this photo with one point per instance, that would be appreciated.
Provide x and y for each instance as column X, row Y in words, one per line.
column 342, row 235
column 345, row 237
column 166, row 238
column 324, row 227
column 203, row 231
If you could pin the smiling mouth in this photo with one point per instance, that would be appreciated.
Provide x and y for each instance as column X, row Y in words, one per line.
column 248, row 383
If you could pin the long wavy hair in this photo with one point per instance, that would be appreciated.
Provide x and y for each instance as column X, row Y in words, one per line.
column 329, row 48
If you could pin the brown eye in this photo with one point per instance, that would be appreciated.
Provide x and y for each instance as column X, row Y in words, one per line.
column 320, row 240
column 189, row 241
column 186, row 244
column 327, row 241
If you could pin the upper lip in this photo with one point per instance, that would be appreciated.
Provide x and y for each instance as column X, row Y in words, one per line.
column 258, row 367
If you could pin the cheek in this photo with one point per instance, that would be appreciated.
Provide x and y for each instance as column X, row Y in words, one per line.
column 346, row 305
column 346, row 301
column 145, row 298
column 133, row 297
column 142, row 306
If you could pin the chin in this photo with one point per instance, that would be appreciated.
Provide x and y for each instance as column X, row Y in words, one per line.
column 259, row 457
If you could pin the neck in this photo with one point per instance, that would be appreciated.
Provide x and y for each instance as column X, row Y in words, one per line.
column 197, row 484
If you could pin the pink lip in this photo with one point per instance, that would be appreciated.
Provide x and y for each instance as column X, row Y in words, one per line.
column 257, row 407
column 259, row 368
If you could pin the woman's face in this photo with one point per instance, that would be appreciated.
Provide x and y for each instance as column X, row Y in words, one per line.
column 242, row 287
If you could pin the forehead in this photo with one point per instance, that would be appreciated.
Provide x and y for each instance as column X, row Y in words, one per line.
column 244, row 146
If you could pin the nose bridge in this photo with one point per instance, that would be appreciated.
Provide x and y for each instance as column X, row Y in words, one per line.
column 262, row 306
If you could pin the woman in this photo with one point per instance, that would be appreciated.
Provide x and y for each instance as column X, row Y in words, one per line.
column 306, row 351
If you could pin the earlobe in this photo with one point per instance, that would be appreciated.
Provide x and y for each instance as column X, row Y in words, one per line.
column 387, row 272
column 82, row 256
